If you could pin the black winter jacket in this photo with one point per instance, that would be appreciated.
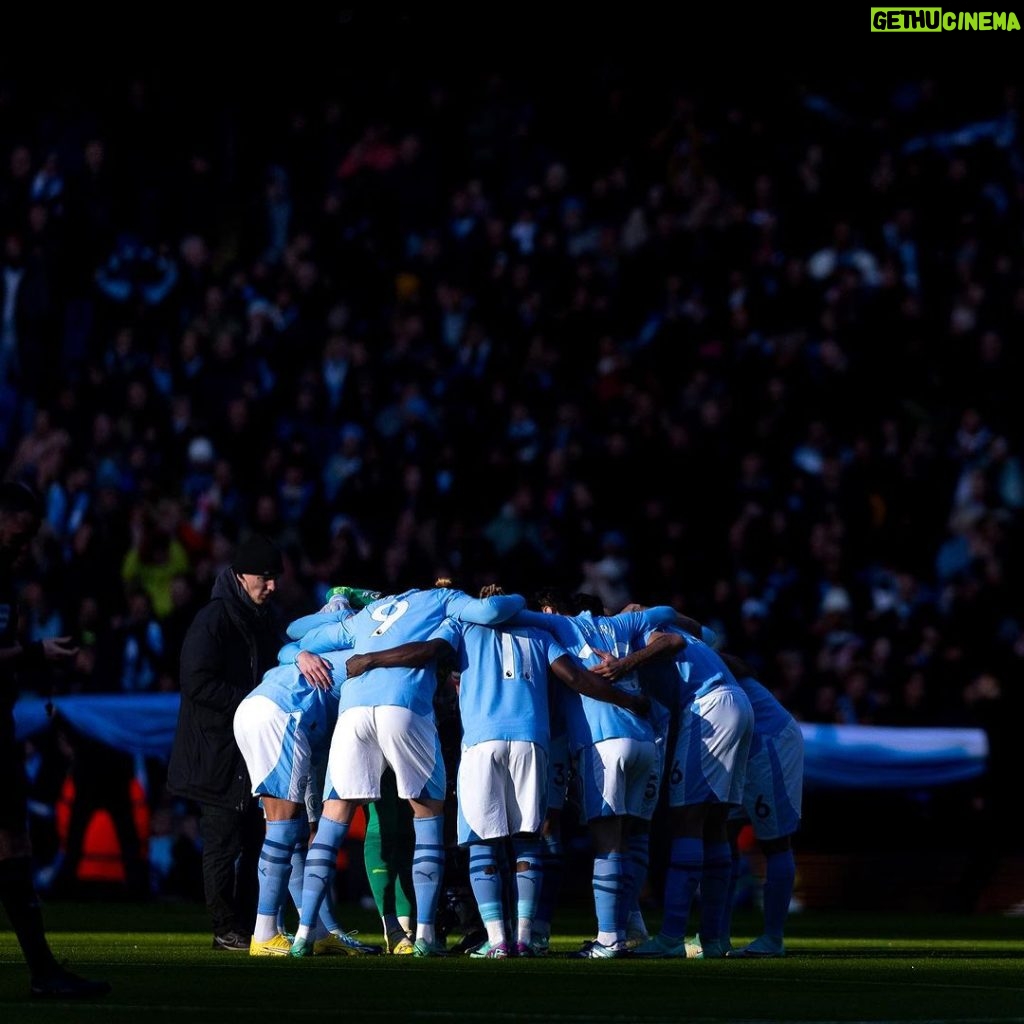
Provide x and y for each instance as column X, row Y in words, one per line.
column 228, row 647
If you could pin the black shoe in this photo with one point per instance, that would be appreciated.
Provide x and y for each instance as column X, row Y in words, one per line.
column 231, row 940
column 65, row 985
column 470, row 942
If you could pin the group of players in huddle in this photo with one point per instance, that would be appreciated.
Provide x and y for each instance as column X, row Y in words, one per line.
column 352, row 702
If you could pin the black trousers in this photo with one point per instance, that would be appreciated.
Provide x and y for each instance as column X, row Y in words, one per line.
column 232, row 841
column 13, row 794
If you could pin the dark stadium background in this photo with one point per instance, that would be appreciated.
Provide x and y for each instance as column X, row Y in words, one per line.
column 200, row 110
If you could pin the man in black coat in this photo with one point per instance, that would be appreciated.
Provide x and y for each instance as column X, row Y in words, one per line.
column 232, row 641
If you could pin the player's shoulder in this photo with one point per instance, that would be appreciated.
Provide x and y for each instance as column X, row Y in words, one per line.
column 534, row 634
column 675, row 630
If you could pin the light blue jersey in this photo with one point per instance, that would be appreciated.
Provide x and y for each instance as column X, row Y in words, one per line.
column 414, row 616
column 503, row 692
column 302, row 730
column 695, row 671
column 287, row 687
column 338, row 608
column 330, row 615
column 773, row 788
column 770, row 717
column 591, row 721
column 299, row 627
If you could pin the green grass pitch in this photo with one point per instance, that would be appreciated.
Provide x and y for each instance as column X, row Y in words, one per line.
column 841, row 967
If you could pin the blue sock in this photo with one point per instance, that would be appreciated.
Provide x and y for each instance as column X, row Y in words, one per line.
column 779, row 879
column 327, row 918
column 275, row 863
column 485, row 880
column 551, row 878
column 298, row 865
column 609, row 870
column 428, row 867
column 686, row 864
column 714, row 891
column 507, row 871
column 637, row 865
column 528, row 881
column 320, row 864
column 626, row 897
column 730, row 899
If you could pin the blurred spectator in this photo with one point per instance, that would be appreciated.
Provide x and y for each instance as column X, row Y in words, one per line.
column 473, row 337
column 140, row 640
column 156, row 555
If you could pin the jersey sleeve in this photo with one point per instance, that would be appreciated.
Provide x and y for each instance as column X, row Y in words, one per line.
column 450, row 631
column 710, row 637
column 529, row 620
column 553, row 649
column 659, row 615
column 299, row 627
column 487, row 611
column 331, row 637
column 288, row 653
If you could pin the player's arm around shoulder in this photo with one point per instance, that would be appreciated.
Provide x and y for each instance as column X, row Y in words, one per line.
column 416, row 654
column 659, row 647
column 588, row 684
column 490, row 611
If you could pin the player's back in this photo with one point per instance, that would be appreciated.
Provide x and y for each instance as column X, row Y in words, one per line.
column 411, row 617
column 289, row 689
column 694, row 671
column 770, row 715
column 294, row 694
column 398, row 619
column 707, row 669
column 503, row 689
column 591, row 721
column 405, row 618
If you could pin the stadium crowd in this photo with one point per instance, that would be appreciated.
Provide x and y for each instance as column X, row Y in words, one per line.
column 749, row 355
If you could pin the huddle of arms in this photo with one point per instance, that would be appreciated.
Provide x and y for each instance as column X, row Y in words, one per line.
column 660, row 647
column 569, row 672
column 415, row 654
column 323, row 631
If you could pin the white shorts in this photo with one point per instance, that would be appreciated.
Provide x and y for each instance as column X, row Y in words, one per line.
column 710, row 759
column 619, row 777
column 773, row 791
column 502, row 789
column 275, row 748
column 366, row 739
column 558, row 772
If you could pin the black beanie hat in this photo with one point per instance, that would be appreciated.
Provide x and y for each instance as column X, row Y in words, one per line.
column 257, row 556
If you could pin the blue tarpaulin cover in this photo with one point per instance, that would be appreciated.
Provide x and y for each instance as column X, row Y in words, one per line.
column 836, row 756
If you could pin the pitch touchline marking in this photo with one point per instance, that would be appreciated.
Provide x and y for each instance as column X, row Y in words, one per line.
column 107, row 1008
column 367, row 963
